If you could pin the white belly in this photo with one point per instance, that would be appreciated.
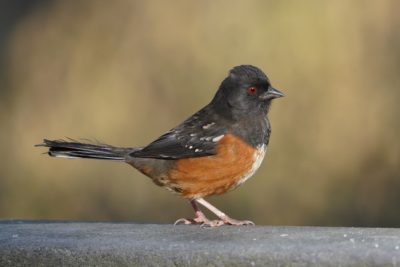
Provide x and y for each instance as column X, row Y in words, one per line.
column 258, row 158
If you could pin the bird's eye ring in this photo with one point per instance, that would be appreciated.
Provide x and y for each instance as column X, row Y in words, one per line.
column 252, row 90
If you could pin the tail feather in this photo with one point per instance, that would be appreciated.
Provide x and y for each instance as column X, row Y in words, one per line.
column 75, row 149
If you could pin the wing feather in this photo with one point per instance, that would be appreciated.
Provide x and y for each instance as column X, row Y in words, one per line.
column 195, row 137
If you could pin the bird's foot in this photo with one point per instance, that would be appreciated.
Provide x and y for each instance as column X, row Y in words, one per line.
column 203, row 221
column 186, row 221
column 229, row 221
column 200, row 219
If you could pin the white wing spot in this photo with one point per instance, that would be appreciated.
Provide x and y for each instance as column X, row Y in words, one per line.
column 219, row 137
column 208, row 125
column 63, row 156
column 190, row 147
column 197, row 150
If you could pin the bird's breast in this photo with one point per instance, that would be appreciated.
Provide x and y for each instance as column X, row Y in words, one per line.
column 234, row 162
column 258, row 157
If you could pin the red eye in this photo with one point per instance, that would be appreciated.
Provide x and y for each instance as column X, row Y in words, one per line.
column 252, row 90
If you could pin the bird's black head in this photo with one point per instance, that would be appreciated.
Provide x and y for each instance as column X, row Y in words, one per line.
column 246, row 90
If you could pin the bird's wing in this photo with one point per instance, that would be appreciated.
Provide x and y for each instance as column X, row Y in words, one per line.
column 198, row 136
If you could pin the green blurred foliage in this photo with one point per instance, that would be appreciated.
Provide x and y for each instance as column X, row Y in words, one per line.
column 123, row 72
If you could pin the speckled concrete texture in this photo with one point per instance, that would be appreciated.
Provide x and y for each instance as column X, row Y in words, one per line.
column 39, row 243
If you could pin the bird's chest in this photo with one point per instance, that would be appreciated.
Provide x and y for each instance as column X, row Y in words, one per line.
column 234, row 162
column 258, row 157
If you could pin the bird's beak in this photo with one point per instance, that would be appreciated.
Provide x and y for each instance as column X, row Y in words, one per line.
column 271, row 94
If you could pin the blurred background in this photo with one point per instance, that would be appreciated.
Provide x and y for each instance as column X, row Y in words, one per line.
column 123, row 72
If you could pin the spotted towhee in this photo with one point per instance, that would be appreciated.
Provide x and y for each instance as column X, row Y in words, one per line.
column 212, row 152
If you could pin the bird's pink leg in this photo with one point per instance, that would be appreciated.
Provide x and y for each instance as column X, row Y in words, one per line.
column 224, row 219
column 199, row 218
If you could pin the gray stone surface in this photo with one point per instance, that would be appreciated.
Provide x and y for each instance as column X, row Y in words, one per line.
column 25, row 243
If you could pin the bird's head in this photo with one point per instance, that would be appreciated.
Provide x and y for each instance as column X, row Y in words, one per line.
column 246, row 90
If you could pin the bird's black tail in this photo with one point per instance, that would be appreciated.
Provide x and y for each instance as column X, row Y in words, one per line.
column 75, row 149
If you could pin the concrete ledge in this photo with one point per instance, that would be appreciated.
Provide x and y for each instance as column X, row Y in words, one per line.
column 26, row 243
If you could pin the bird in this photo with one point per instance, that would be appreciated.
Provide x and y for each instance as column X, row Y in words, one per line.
column 212, row 152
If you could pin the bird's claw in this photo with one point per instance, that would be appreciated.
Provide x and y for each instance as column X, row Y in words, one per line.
column 204, row 222
column 230, row 221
